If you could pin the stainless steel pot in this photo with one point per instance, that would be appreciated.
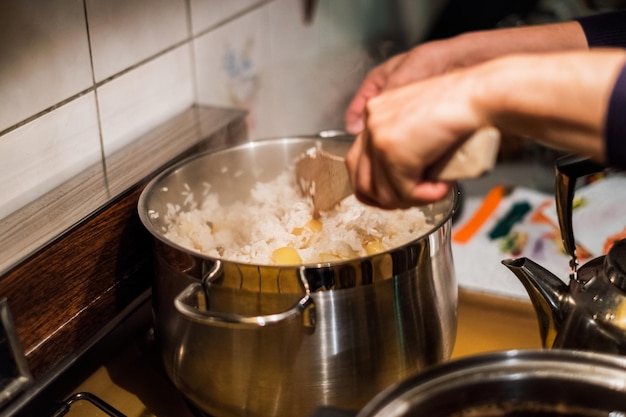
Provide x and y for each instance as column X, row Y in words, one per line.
column 261, row 340
column 547, row 383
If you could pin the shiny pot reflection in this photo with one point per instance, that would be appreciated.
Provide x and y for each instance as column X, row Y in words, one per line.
column 258, row 340
column 541, row 383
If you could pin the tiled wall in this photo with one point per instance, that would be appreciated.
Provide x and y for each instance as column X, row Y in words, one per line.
column 79, row 79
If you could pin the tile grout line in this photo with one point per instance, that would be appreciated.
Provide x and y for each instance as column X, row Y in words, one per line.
column 97, row 102
column 231, row 18
column 189, row 39
column 194, row 75
column 95, row 85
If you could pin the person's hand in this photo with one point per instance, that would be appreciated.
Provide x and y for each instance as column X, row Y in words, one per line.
column 421, row 62
column 560, row 99
column 406, row 130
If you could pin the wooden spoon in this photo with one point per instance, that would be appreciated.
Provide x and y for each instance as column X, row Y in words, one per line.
column 324, row 177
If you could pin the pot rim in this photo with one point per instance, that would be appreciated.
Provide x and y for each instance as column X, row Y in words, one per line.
column 454, row 194
column 510, row 365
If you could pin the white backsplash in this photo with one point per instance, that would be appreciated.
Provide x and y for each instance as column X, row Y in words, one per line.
column 207, row 15
column 311, row 93
column 47, row 152
column 232, row 64
column 145, row 96
column 45, row 57
column 124, row 33
column 80, row 79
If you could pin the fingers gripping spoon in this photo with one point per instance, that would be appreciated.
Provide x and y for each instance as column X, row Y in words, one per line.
column 324, row 176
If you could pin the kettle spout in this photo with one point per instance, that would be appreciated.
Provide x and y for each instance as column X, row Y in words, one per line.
column 548, row 294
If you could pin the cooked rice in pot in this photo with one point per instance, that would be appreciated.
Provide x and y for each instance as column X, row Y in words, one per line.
column 275, row 226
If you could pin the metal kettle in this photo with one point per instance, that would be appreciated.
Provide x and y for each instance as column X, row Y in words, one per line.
column 589, row 313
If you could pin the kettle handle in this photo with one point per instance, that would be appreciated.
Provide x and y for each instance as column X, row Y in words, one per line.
column 568, row 169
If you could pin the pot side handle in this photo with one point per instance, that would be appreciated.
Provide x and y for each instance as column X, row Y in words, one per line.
column 305, row 307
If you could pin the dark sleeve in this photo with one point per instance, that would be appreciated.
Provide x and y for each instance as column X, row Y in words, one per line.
column 616, row 124
column 606, row 29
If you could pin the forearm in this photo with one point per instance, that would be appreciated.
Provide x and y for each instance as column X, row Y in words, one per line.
column 439, row 57
column 561, row 100
column 481, row 46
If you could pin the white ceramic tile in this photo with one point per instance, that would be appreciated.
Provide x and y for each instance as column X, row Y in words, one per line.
column 125, row 32
column 208, row 13
column 48, row 151
column 230, row 65
column 146, row 96
column 315, row 68
column 44, row 56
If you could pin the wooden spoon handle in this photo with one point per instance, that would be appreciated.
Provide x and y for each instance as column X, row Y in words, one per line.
column 324, row 176
column 476, row 156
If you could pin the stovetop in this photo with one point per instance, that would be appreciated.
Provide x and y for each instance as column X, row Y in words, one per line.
column 133, row 382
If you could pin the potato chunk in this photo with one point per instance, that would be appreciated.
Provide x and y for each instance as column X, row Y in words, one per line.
column 374, row 246
column 312, row 225
column 286, row 256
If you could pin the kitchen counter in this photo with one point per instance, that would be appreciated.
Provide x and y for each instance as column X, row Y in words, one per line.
column 489, row 323
column 134, row 383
